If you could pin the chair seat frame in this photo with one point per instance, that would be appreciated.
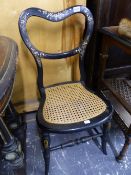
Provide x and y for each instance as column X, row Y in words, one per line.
column 47, row 128
column 75, row 127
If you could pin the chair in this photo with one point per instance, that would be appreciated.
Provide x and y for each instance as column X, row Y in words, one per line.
column 67, row 107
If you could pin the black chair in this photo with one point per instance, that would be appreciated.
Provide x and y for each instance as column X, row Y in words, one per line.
column 67, row 107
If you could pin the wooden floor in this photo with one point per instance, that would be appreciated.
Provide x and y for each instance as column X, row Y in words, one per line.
column 83, row 159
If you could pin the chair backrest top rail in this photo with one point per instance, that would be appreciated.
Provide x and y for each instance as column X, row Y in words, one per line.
column 55, row 17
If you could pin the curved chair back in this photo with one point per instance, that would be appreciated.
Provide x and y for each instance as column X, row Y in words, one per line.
column 54, row 17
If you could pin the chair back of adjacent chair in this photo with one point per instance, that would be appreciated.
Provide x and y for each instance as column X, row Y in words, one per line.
column 55, row 17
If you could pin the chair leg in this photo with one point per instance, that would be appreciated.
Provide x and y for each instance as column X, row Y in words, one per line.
column 46, row 144
column 106, row 128
column 124, row 149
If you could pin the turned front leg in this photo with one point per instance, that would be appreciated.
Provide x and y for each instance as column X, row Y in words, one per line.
column 46, row 144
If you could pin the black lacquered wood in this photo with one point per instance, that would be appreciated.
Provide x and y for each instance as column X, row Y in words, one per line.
column 46, row 127
column 76, row 127
column 75, row 142
column 55, row 17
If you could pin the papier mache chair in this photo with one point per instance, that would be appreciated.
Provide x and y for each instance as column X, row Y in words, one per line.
column 67, row 107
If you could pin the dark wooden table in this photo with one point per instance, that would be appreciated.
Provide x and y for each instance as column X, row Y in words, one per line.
column 8, row 53
column 10, row 147
column 120, row 88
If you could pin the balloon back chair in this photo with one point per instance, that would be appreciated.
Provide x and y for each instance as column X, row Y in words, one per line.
column 67, row 107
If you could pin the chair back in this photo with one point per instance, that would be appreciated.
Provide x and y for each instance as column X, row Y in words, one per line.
column 55, row 17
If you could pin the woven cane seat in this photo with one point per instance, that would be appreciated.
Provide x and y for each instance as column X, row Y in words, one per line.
column 71, row 103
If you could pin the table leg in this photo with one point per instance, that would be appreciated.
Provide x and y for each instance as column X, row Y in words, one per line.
column 12, row 118
column 11, row 150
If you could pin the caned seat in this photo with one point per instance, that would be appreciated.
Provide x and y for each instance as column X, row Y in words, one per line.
column 67, row 107
column 71, row 103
